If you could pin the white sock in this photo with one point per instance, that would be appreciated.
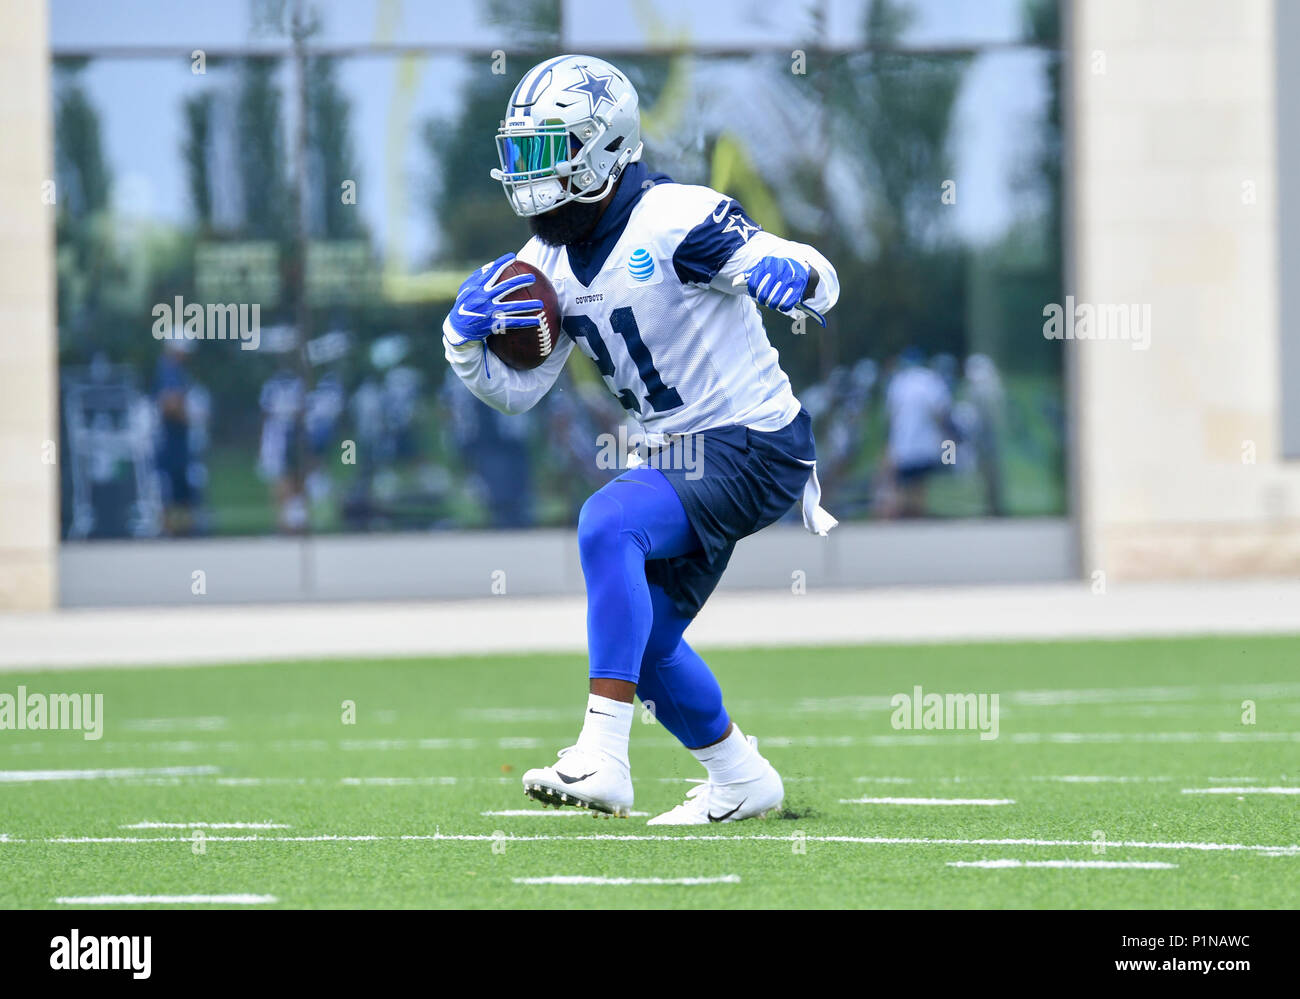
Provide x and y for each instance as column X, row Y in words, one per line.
column 731, row 760
column 606, row 727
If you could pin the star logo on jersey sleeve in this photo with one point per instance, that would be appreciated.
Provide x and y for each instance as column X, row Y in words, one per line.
column 738, row 223
column 594, row 88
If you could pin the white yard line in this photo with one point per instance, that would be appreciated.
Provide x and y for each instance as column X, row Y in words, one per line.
column 268, row 781
column 548, row 813
column 1241, row 790
column 402, row 781
column 1099, row 779
column 287, row 781
column 166, row 899
column 580, row 879
column 120, row 773
column 206, row 723
column 1039, row 698
column 252, row 838
column 1052, row 778
column 1013, row 738
column 206, row 825
column 1109, row 865
column 358, row 781
column 1234, row 780
column 440, row 837
column 913, row 739
column 927, row 801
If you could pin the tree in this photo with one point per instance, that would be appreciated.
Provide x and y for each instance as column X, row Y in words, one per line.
column 262, row 167
column 83, row 186
column 330, row 153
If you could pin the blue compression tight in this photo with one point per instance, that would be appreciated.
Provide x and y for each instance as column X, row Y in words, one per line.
column 634, row 632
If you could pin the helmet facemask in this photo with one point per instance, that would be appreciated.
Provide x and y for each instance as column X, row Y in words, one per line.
column 548, row 164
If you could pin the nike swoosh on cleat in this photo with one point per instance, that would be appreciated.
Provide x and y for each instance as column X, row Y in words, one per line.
column 726, row 815
column 573, row 780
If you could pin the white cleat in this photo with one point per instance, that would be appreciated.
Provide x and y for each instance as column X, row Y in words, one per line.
column 709, row 802
column 583, row 778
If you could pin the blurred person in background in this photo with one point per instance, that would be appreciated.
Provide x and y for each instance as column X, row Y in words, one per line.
column 945, row 365
column 279, row 461
column 842, row 406
column 394, row 400
column 918, row 413
column 494, row 448
column 171, row 391
column 198, row 413
column 401, row 397
column 324, row 406
column 575, row 417
column 983, row 392
column 367, row 409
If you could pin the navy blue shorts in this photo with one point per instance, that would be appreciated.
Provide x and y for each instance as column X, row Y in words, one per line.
column 174, row 463
column 750, row 479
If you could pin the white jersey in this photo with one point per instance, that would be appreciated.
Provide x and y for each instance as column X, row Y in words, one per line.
column 655, row 308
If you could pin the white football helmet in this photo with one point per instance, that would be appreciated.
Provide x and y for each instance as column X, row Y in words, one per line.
column 571, row 127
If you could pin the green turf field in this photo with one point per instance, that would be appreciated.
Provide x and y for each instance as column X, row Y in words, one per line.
column 1102, row 739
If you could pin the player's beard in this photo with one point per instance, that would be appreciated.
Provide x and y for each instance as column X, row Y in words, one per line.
column 568, row 224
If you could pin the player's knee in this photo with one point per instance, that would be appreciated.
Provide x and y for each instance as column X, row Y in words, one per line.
column 600, row 523
column 660, row 653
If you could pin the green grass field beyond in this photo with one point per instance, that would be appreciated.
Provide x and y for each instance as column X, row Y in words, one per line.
column 1108, row 743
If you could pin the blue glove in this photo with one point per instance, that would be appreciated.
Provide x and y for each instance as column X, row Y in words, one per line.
column 479, row 311
column 778, row 283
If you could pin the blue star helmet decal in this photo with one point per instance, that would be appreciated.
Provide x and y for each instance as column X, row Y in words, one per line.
column 594, row 88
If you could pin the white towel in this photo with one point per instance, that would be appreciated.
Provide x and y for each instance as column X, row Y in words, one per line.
column 817, row 520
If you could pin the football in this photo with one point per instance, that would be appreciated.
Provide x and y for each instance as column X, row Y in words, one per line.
column 528, row 346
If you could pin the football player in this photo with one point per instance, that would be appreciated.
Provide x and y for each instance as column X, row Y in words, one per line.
column 657, row 284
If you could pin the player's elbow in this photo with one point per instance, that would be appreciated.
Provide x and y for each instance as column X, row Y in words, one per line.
column 510, row 401
column 514, row 407
column 511, row 404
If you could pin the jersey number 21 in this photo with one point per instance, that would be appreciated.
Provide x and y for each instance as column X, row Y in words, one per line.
column 660, row 396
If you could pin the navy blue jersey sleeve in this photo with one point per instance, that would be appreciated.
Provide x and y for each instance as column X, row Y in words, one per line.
column 707, row 247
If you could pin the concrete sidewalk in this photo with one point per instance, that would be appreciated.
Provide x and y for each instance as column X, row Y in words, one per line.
column 217, row 634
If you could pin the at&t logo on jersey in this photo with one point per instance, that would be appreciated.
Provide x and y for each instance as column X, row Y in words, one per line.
column 641, row 268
